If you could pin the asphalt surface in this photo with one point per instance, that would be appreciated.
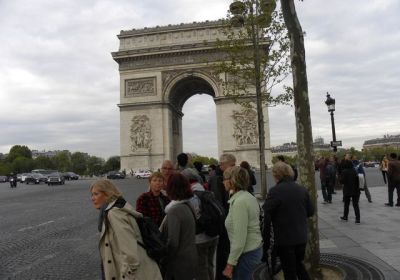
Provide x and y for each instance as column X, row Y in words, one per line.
column 51, row 232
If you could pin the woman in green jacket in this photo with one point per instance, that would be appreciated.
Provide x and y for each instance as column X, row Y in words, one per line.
column 242, row 225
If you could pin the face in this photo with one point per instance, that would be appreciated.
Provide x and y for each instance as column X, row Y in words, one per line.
column 347, row 157
column 156, row 184
column 226, row 165
column 167, row 169
column 98, row 198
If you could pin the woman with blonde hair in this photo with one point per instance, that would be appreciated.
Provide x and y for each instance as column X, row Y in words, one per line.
column 121, row 255
column 242, row 225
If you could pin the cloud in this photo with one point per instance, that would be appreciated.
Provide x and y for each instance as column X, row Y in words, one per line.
column 59, row 86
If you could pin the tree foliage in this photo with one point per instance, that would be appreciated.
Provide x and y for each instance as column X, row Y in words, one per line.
column 78, row 162
column 272, row 45
column 113, row 163
column 18, row 151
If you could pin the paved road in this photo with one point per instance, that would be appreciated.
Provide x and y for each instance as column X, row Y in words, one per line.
column 51, row 232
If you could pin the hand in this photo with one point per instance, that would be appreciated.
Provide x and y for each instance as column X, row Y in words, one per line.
column 228, row 271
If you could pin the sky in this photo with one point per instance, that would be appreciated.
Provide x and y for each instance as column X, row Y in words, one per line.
column 59, row 86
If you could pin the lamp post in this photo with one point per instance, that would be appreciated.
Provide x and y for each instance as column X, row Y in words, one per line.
column 330, row 102
column 239, row 11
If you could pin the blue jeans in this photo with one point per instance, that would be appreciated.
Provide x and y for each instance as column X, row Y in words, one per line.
column 246, row 264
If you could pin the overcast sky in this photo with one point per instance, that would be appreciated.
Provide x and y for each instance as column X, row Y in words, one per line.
column 59, row 85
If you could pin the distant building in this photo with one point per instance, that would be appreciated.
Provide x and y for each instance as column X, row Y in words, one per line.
column 387, row 141
column 2, row 156
column 44, row 153
column 290, row 149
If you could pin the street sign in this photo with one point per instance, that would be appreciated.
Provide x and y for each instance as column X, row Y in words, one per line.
column 336, row 143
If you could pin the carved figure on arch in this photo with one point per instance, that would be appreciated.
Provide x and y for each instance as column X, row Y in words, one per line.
column 245, row 127
column 140, row 133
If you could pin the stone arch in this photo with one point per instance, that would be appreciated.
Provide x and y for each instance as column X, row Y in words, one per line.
column 160, row 69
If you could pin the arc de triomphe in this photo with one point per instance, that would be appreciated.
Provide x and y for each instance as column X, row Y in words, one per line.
column 162, row 67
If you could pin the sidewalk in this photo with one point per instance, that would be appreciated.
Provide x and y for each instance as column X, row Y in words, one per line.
column 376, row 240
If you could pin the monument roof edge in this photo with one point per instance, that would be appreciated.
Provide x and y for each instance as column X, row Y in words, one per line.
column 171, row 27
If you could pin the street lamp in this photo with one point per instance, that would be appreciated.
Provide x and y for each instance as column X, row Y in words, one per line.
column 330, row 102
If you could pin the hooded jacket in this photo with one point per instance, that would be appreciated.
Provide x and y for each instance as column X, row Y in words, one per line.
column 122, row 257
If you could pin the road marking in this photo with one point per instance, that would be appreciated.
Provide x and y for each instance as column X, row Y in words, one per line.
column 32, row 227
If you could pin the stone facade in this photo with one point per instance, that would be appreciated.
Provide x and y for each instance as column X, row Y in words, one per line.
column 160, row 68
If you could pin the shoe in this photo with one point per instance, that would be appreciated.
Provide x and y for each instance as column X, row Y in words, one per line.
column 398, row 205
column 325, row 202
column 369, row 200
column 330, row 201
column 388, row 204
column 343, row 218
column 357, row 222
column 333, row 192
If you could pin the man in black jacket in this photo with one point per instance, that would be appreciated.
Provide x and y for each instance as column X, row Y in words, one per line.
column 288, row 206
column 393, row 175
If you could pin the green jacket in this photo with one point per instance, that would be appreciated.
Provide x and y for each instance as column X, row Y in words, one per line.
column 243, row 225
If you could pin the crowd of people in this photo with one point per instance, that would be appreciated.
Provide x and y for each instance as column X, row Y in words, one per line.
column 216, row 228
column 349, row 174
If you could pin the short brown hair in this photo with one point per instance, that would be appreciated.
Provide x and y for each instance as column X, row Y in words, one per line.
column 108, row 188
column 282, row 170
column 156, row 175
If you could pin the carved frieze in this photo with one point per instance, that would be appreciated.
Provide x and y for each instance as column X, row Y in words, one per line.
column 245, row 127
column 140, row 133
column 140, row 87
column 169, row 60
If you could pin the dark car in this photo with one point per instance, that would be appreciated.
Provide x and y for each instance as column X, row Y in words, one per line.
column 70, row 176
column 115, row 175
column 3, row 179
column 35, row 178
column 55, row 178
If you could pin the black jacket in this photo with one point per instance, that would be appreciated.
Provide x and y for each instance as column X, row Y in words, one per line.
column 349, row 179
column 288, row 206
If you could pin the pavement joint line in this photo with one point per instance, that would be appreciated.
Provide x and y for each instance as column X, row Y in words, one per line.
column 36, row 226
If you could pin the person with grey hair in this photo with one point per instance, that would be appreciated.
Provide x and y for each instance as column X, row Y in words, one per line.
column 288, row 205
column 120, row 236
column 242, row 225
column 215, row 184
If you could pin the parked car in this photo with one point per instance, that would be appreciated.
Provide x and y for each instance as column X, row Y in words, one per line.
column 55, row 178
column 70, row 176
column 35, row 178
column 142, row 174
column 3, row 179
column 371, row 164
column 115, row 175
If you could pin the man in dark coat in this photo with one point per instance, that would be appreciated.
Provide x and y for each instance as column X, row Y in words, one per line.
column 393, row 175
column 351, row 190
column 288, row 206
column 216, row 185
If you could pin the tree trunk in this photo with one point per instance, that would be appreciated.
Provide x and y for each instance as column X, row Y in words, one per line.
column 303, row 128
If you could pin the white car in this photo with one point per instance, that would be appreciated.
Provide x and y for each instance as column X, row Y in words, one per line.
column 142, row 174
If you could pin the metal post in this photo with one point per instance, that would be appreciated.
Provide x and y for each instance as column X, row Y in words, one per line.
column 333, row 131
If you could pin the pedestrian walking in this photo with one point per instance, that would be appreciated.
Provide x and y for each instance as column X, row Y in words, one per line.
column 288, row 206
column 242, row 225
column 351, row 190
column 384, row 168
column 362, row 180
column 326, row 192
column 121, row 256
column 393, row 179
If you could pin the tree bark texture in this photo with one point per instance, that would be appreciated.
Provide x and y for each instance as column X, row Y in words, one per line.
column 303, row 128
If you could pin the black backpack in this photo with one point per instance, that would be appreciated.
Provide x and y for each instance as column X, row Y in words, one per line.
column 212, row 214
column 154, row 242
